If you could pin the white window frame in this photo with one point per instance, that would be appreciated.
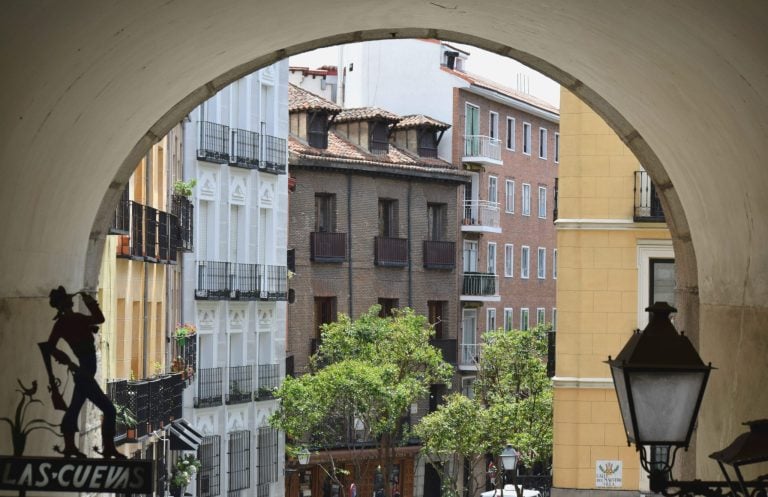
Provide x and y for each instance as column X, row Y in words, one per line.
column 543, row 143
column 526, row 200
column 509, row 314
column 493, row 131
column 509, row 260
column 557, row 147
column 468, row 380
column 554, row 264
column 542, row 202
column 493, row 189
column 647, row 250
column 491, row 260
column 510, row 138
column 525, row 262
column 509, row 199
column 527, row 138
column 525, row 322
column 541, row 263
column 490, row 314
column 541, row 316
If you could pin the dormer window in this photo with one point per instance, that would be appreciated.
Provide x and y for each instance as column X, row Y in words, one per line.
column 317, row 129
column 428, row 143
column 379, row 137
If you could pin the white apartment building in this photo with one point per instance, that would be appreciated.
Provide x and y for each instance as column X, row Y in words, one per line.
column 235, row 282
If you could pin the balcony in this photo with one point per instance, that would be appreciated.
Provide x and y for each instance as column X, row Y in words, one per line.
column 555, row 210
column 121, row 224
column 268, row 381
column 235, row 281
column 470, row 355
column 439, row 255
column 390, row 252
column 481, row 216
column 551, row 352
column 151, row 237
column 184, row 354
column 213, row 143
column 447, row 348
column 480, row 287
column 328, row 247
column 153, row 402
column 647, row 203
column 209, row 387
column 252, row 150
column 240, row 384
column 150, row 234
column 182, row 208
column 483, row 150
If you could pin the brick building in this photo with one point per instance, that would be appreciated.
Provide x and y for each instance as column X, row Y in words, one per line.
column 372, row 221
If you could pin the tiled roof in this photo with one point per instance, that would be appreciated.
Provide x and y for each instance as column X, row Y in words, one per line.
column 504, row 90
column 341, row 151
column 300, row 99
column 420, row 120
column 366, row 114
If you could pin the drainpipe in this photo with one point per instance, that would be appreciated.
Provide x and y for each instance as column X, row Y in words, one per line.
column 410, row 261
column 349, row 240
column 145, row 324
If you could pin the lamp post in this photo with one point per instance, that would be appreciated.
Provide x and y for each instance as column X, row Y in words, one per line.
column 509, row 457
column 659, row 380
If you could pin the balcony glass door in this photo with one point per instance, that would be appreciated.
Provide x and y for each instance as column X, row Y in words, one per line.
column 468, row 333
column 470, row 256
column 472, row 131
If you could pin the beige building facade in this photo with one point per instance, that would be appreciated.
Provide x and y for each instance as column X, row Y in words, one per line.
column 615, row 255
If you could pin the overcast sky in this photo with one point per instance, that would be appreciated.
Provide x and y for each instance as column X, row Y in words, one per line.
column 503, row 70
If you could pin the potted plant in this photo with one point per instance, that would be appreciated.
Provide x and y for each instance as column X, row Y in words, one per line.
column 184, row 188
column 125, row 417
column 182, row 474
column 182, row 331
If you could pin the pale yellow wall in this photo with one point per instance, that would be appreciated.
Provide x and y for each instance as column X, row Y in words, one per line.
column 597, row 294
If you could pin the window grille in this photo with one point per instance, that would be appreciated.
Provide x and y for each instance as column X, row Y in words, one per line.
column 209, row 454
column 239, row 457
column 267, row 463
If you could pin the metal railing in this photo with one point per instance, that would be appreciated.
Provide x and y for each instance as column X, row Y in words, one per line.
column 481, row 213
column 470, row 353
column 275, row 158
column 133, row 245
column 390, row 251
column 430, row 152
column 647, row 203
column 478, row 147
column 378, row 147
column 328, row 247
column 213, row 142
column 121, row 224
column 184, row 355
column 150, row 233
column 245, row 149
column 551, row 349
column 447, row 347
column 480, row 284
column 439, row 255
column 268, row 380
column 153, row 402
column 209, row 387
column 555, row 210
column 237, row 281
column 240, row 384
column 183, row 209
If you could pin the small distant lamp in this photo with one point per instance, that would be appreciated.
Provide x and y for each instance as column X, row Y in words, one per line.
column 509, row 458
column 303, row 456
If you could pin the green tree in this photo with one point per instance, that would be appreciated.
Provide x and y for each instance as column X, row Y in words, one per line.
column 512, row 403
column 365, row 376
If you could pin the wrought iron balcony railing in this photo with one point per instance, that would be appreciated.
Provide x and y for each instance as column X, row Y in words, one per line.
column 275, row 158
column 392, row 252
column 448, row 348
column 439, row 255
column 150, row 234
column 480, row 285
column 647, row 203
column 482, row 149
column 328, row 247
column 240, row 384
column 151, row 237
column 153, row 402
column 121, row 224
column 236, row 281
column 209, row 387
column 213, row 142
column 481, row 215
column 183, row 209
column 269, row 380
column 555, row 210
column 184, row 354
column 245, row 149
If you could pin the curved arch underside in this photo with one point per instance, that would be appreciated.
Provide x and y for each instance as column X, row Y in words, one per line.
column 88, row 89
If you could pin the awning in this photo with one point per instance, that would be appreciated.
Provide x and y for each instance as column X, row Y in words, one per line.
column 183, row 436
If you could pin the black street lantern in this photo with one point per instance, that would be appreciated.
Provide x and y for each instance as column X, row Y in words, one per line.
column 659, row 380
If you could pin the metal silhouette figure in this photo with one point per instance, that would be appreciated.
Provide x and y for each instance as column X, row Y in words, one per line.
column 78, row 330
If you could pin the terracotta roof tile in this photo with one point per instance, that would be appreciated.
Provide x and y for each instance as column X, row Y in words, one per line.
column 420, row 120
column 300, row 99
column 366, row 114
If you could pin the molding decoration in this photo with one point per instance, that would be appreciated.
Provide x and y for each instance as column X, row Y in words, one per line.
column 237, row 319
column 238, row 189
column 206, row 318
column 236, row 420
column 573, row 382
column 266, row 193
column 205, row 425
column 606, row 224
column 266, row 316
column 207, row 185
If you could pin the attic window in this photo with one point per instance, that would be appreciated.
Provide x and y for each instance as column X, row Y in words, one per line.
column 317, row 129
column 427, row 144
column 379, row 138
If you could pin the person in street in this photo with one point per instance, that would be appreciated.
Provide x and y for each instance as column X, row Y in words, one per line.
column 78, row 331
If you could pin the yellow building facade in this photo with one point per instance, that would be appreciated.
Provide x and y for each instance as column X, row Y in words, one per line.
column 614, row 255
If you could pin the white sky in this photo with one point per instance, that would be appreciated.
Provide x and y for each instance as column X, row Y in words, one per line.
column 502, row 70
